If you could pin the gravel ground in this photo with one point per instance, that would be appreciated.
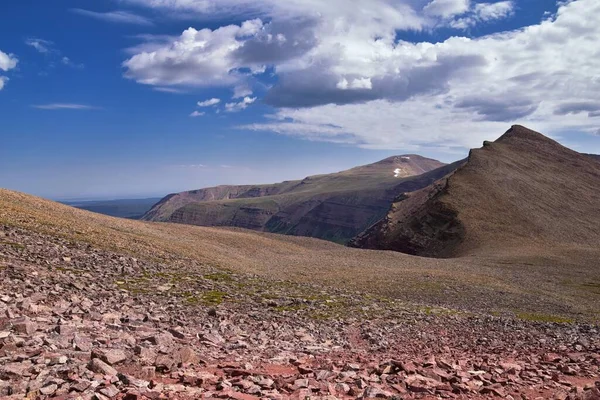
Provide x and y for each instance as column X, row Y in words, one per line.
column 80, row 321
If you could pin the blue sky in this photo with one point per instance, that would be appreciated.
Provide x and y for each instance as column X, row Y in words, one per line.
column 98, row 99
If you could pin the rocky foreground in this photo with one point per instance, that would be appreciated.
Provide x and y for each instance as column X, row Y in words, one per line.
column 79, row 322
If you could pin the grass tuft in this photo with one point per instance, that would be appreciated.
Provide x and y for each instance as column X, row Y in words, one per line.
column 15, row 245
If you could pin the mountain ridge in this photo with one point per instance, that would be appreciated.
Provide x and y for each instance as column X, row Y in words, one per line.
column 334, row 206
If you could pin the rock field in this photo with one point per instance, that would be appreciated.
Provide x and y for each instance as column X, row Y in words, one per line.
column 77, row 322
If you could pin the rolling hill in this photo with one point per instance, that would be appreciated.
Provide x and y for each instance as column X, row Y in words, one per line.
column 334, row 207
column 522, row 193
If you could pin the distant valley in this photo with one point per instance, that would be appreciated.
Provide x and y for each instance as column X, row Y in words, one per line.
column 122, row 208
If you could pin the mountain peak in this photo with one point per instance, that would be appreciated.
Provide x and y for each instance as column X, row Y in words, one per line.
column 522, row 191
column 520, row 132
column 401, row 158
column 400, row 166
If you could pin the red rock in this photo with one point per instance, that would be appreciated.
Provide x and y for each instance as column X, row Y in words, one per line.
column 111, row 356
column 420, row 384
column 304, row 369
column 430, row 362
column 497, row 391
column 511, row 368
column 148, row 372
column 552, row 357
column 164, row 363
column 132, row 395
column 242, row 396
column 24, row 326
column 101, row 367
column 187, row 356
column 408, row 367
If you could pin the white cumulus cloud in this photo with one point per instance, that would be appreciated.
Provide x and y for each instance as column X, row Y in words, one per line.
column 7, row 62
column 197, row 58
column 209, row 102
column 489, row 11
column 239, row 106
column 343, row 76
column 197, row 114
column 446, row 8
column 484, row 12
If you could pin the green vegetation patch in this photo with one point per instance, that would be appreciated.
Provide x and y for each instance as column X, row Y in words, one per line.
column 214, row 297
column 15, row 245
column 210, row 298
column 219, row 277
column 537, row 317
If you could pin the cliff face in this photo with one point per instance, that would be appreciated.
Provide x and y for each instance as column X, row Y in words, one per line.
column 335, row 207
column 522, row 191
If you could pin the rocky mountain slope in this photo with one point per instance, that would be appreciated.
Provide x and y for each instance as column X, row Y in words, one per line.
column 523, row 193
column 94, row 307
column 334, row 206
